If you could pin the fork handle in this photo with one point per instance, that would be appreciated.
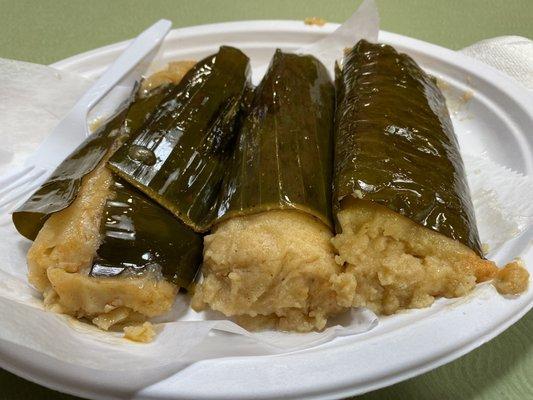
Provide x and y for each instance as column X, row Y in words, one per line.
column 127, row 61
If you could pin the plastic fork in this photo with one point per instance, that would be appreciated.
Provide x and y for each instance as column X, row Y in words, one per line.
column 72, row 129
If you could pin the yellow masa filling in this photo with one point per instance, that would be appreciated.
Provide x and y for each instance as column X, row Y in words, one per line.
column 273, row 269
column 285, row 270
column 399, row 264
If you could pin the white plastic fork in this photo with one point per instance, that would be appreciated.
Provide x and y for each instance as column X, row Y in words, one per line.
column 72, row 129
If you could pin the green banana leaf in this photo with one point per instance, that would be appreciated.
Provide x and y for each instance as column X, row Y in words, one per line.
column 61, row 188
column 395, row 144
column 179, row 157
column 138, row 234
column 283, row 158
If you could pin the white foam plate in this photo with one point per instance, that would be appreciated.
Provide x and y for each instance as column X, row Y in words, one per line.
column 497, row 121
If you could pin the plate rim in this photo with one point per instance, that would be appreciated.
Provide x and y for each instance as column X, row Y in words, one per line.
column 298, row 26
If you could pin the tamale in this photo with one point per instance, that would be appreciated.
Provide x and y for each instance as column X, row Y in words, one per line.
column 395, row 143
column 112, row 254
column 405, row 221
column 268, row 260
column 179, row 157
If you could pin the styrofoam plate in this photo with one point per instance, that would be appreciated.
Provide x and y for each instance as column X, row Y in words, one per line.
column 497, row 121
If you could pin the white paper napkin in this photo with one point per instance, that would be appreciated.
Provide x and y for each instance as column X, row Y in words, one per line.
column 510, row 54
column 492, row 185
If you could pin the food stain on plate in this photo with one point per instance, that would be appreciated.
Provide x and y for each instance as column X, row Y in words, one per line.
column 316, row 21
column 457, row 100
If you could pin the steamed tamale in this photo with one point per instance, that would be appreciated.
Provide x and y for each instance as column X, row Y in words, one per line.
column 405, row 221
column 268, row 260
column 105, row 251
column 62, row 187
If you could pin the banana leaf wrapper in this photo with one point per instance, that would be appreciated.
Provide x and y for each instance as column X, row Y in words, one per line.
column 139, row 234
column 179, row 157
column 395, row 144
column 61, row 188
column 283, row 158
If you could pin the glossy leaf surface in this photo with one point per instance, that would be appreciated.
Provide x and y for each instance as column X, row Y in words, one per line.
column 179, row 157
column 283, row 158
column 395, row 144
column 138, row 234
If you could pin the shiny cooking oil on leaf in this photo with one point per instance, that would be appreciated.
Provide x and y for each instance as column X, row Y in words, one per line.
column 179, row 157
column 283, row 156
column 395, row 144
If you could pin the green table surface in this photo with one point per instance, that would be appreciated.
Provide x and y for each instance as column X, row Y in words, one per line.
column 47, row 31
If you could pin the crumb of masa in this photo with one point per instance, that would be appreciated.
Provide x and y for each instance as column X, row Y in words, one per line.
column 512, row 279
column 315, row 21
column 144, row 333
